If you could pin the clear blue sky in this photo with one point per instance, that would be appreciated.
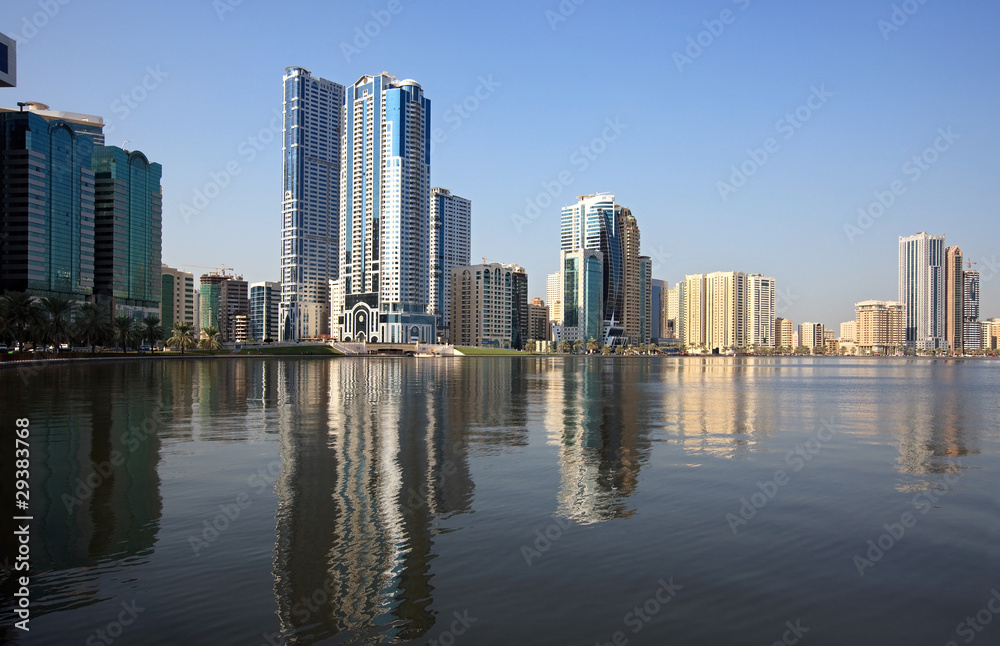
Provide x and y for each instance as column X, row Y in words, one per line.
column 887, row 94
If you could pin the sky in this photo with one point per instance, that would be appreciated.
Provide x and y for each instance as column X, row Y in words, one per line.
column 797, row 140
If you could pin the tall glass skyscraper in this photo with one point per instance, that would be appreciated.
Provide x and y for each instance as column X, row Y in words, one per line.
column 310, row 234
column 922, row 290
column 450, row 238
column 47, row 213
column 128, row 213
column 383, row 290
column 595, row 222
column 264, row 300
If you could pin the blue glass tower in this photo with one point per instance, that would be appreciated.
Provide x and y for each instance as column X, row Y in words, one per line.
column 47, row 205
column 310, row 232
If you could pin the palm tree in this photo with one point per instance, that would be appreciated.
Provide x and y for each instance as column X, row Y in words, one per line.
column 58, row 313
column 124, row 331
column 578, row 345
column 23, row 314
column 530, row 345
column 605, row 350
column 210, row 338
column 152, row 331
column 564, row 346
column 592, row 345
column 181, row 337
column 93, row 324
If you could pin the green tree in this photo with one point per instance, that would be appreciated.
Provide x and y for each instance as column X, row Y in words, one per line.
column 93, row 324
column 124, row 331
column 58, row 314
column 605, row 350
column 152, row 331
column 181, row 337
column 530, row 345
column 564, row 346
column 211, row 339
column 593, row 345
column 23, row 315
column 578, row 345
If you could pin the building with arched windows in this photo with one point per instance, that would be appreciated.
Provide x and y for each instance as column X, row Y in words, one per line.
column 489, row 306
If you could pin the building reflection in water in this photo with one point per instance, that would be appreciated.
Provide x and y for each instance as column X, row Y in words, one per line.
column 374, row 457
column 95, row 491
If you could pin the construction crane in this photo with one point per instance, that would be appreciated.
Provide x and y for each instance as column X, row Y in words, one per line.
column 969, row 264
column 219, row 271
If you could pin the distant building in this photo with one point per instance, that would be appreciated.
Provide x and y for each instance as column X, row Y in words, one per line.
column 760, row 311
column 177, row 299
column 811, row 335
column 47, row 210
column 954, row 298
column 849, row 331
column 128, row 214
column 264, row 302
column 484, row 302
column 582, row 278
column 922, row 290
column 674, row 315
column 8, row 61
column 223, row 298
column 538, row 320
column 658, row 306
column 972, row 335
column 990, row 332
column 880, row 326
column 450, row 235
column 310, row 206
column 784, row 333
column 554, row 296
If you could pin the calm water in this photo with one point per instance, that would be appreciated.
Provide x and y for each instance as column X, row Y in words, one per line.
column 511, row 501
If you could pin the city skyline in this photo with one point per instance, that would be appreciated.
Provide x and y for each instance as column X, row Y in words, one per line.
column 787, row 220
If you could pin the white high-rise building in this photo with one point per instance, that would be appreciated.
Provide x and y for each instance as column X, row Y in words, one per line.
column 760, row 311
column 383, row 291
column 922, row 289
column 310, row 234
column 554, row 297
column 450, row 233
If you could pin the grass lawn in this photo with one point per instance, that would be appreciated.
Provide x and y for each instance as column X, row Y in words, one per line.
column 299, row 350
column 494, row 351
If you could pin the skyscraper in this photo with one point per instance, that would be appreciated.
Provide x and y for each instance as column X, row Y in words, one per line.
column 954, row 297
column 310, row 207
column 450, row 234
column 658, row 306
column 725, row 301
column 8, row 61
column 554, row 296
column 383, row 290
column 224, row 301
column 177, row 299
column 128, row 213
column 582, row 278
column 47, row 211
column 922, row 289
column 632, row 278
column 595, row 222
column 972, row 335
column 644, row 288
column 760, row 311
column 263, row 320
column 485, row 301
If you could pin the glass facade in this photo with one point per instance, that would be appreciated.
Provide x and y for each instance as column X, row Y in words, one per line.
column 128, row 225
column 310, row 225
column 263, row 319
column 47, row 213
